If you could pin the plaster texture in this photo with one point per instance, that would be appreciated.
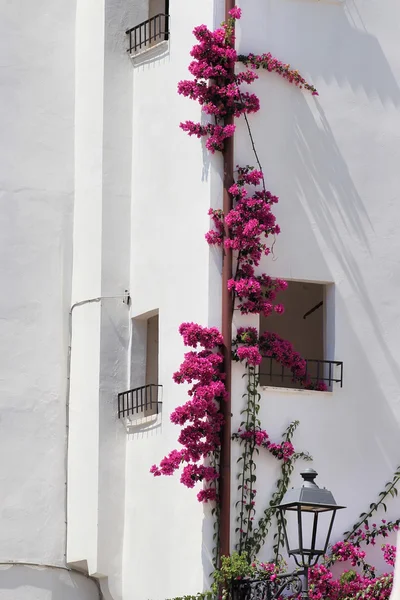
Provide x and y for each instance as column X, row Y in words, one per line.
column 37, row 190
column 101, row 192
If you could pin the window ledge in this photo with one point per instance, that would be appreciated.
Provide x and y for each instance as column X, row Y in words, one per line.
column 133, row 423
column 284, row 390
column 147, row 52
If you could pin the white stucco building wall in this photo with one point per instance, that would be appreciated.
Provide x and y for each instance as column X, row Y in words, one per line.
column 37, row 193
column 103, row 193
column 100, row 330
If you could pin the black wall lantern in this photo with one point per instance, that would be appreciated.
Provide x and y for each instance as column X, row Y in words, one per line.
column 307, row 515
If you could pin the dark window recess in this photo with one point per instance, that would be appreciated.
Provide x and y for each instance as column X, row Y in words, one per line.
column 140, row 401
column 152, row 31
column 152, row 352
column 327, row 371
column 143, row 400
column 308, row 324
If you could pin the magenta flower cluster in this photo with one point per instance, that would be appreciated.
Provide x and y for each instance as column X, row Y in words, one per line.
column 271, row 64
column 200, row 417
column 283, row 451
column 353, row 584
column 369, row 535
column 215, row 85
column 389, row 554
column 350, row 584
column 249, row 346
column 346, row 551
column 248, row 225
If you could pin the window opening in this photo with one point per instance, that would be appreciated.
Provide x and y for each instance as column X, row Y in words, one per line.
column 307, row 325
column 144, row 397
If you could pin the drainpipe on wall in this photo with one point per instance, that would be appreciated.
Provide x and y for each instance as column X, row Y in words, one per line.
column 227, row 313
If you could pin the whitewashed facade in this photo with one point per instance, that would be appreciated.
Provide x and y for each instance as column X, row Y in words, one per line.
column 103, row 193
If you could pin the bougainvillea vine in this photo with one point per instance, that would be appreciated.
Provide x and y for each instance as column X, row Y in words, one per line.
column 217, row 88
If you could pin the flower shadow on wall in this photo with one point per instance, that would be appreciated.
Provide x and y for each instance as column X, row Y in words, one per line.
column 321, row 180
column 324, row 183
column 328, row 214
column 348, row 52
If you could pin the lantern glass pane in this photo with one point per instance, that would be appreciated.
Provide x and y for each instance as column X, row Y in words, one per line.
column 292, row 531
column 310, row 536
column 307, row 519
column 324, row 526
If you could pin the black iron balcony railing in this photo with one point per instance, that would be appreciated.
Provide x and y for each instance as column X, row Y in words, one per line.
column 268, row 589
column 324, row 371
column 141, row 401
column 147, row 34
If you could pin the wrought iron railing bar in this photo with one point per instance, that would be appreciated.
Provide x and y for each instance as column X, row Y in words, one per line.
column 327, row 374
column 166, row 21
column 321, row 360
column 150, row 30
column 341, row 374
column 147, row 20
column 139, row 400
column 267, row 589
